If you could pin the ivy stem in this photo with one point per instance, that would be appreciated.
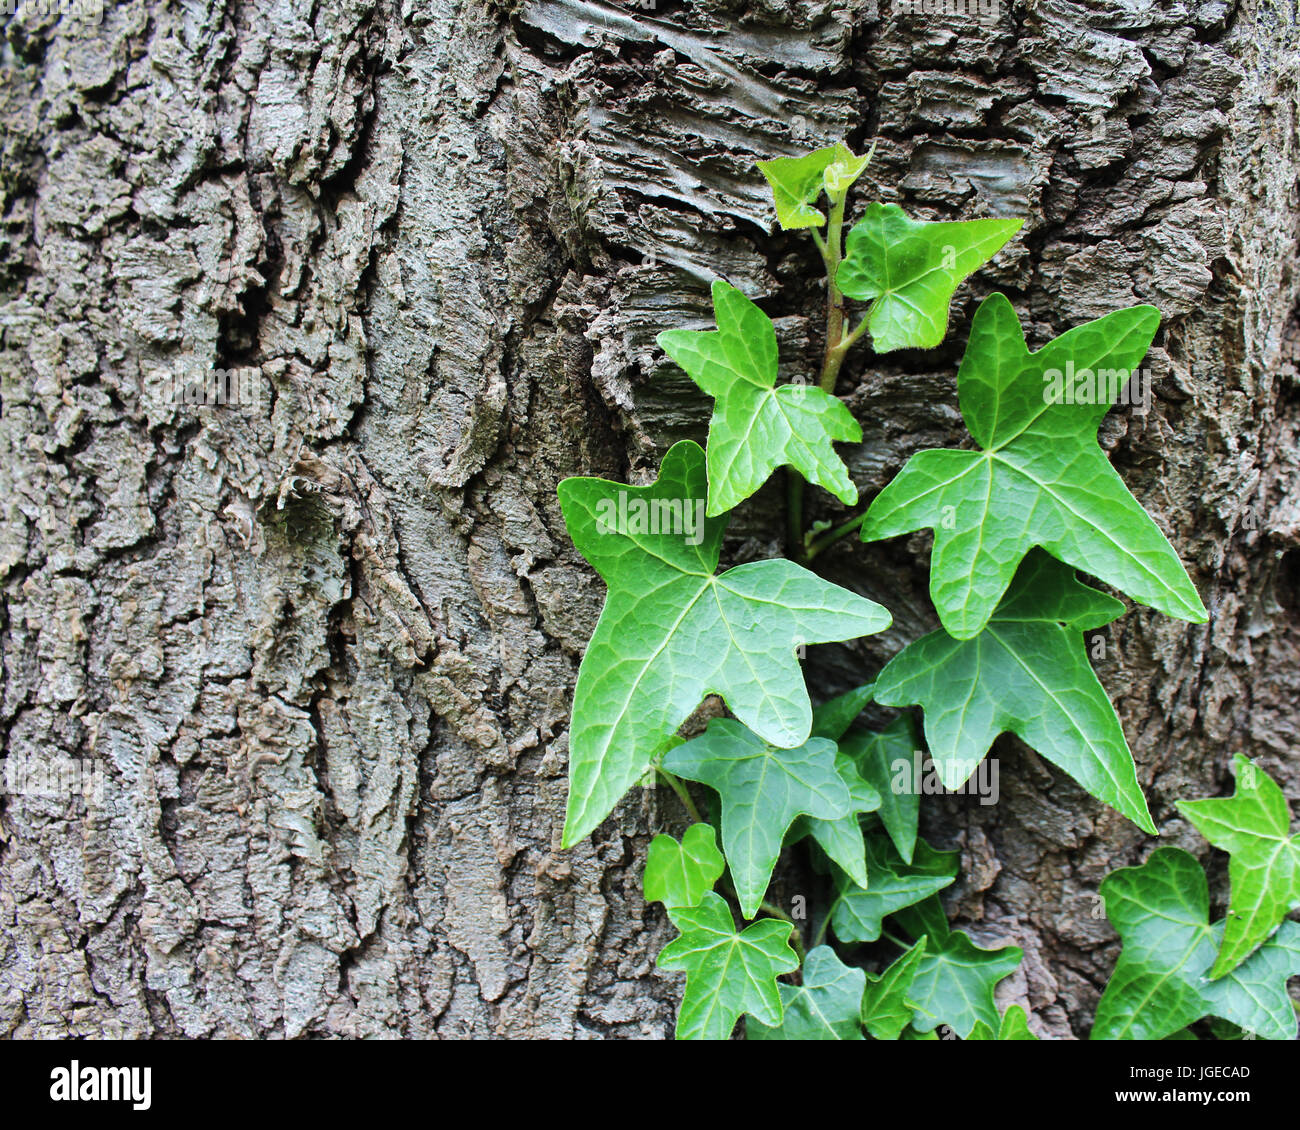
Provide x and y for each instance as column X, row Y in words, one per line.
column 837, row 346
column 832, row 253
column 902, row 945
column 820, row 936
column 795, row 542
column 683, row 793
column 831, row 536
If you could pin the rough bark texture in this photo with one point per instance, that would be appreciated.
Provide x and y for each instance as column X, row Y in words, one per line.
column 322, row 647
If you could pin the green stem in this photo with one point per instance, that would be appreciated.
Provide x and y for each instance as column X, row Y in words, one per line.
column 831, row 536
column 683, row 793
column 902, row 945
column 820, row 936
column 832, row 254
column 837, row 346
column 795, row 544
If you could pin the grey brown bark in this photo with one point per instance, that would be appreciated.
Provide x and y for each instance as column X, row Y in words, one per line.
column 321, row 646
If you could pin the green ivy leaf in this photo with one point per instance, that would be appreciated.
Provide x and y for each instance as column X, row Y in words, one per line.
column 842, row 839
column 886, row 760
column 763, row 788
column 727, row 973
column 1254, row 825
column 797, row 181
column 955, row 981
column 757, row 426
column 672, row 632
column 911, row 268
column 1027, row 673
column 680, row 874
column 832, row 719
column 858, row 915
column 1160, row 983
column 824, row 1007
column 885, row 1012
column 1040, row 479
column 1015, row 1026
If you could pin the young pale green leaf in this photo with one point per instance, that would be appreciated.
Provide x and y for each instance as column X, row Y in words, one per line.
column 672, row 632
column 763, row 788
column 1160, row 983
column 757, row 426
column 857, row 915
column 955, row 981
column 1040, row 479
column 842, row 839
column 885, row 1012
column 1254, row 826
column 832, row 719
column 910, row 269
column 1015, row 1026
column 796, row 182
column 824, row 1007
column 727, row 972
column 680, row 874
column 1026, row 672
column 887, row 760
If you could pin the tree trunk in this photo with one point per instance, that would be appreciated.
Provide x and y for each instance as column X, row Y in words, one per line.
column 315, row 649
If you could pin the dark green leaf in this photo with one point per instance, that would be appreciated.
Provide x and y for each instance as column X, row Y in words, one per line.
column 824, row 1007
column 858, row 915
column 1254, row 825
column 1026, row 673
column 1161, row 984
column 889, row 760
column 885, row 1012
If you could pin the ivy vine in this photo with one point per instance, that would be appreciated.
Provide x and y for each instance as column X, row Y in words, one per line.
column 1013, row 517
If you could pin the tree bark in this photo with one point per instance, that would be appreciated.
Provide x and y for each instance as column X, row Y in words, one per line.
column 321, row 646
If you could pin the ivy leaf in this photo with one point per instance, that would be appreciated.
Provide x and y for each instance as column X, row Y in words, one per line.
column 842, row 839
column 1040, row 479
column 825, row 1007
column 680, row 874
column 763, row 788
column 757, row 426
column 858, row 915
column 1015, row 1026
column 911, row 268
column 1254, row 825
column 1026, row 672
column 955, row 980
column 886, row 759
column 832, row 719
column 1160, row 983
column 672, row 632
column 797, row 181
column 727, row 973
column 885, row 1012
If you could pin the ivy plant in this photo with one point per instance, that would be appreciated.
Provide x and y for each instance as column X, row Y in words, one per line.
column 1013, row 518
column 1162, row 981
column 1176, row 967
column 1254, row 826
